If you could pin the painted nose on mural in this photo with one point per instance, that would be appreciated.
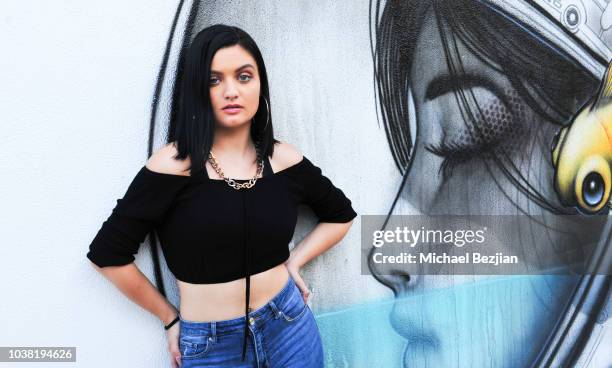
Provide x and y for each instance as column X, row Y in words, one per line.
column 399, row 281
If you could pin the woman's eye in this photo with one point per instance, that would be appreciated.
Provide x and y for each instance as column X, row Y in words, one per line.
column 214, row 80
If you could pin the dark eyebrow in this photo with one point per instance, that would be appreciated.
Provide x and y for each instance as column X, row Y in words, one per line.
column 444, row 83
column 239, row 69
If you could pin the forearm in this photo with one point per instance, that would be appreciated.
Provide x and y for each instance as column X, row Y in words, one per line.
column 137, row 287
column 324, row 236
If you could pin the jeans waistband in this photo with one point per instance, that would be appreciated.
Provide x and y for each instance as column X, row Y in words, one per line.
column 270, row 310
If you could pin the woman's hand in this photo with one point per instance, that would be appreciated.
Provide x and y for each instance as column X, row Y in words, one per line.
column 173, row 346
column 294, row 272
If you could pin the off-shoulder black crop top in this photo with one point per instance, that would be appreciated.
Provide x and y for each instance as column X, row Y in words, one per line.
column 204, row 225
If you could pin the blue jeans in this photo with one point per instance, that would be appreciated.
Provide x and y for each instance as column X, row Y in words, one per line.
column 282, row 333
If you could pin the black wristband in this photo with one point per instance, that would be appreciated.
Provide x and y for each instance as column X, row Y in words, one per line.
column 172, row 323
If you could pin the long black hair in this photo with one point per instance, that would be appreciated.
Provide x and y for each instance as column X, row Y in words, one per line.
column 192, row 124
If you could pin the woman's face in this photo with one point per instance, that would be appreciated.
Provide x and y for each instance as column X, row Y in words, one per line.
column 446, row 323
column 234, row 79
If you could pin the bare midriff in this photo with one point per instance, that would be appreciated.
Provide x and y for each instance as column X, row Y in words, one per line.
column 222, row 301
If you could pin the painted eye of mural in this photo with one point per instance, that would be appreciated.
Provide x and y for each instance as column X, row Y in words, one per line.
column 497, row 126
column 593, row 189
column 454, row 154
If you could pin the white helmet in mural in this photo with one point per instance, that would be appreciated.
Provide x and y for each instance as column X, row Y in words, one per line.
column 583, row 28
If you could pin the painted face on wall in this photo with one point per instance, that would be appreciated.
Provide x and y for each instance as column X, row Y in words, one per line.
column 234, row 80
column 460, row 166
column 453, row 170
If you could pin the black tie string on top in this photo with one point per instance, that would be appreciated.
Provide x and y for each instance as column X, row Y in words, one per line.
column 247, row 263
column 267, row 170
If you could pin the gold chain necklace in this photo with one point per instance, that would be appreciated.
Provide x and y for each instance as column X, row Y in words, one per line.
column 231, row 182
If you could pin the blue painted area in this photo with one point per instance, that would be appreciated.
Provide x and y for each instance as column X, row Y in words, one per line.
column 499, row 322
column 360, row 336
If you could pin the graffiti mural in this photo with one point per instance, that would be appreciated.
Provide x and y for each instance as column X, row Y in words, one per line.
column 479, row 102
column 493, row 86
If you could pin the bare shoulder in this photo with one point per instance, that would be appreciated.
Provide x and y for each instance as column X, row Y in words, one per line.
column 163, row 161
column 285, row 155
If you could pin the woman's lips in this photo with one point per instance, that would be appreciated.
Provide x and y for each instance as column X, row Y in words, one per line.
column 232, row 110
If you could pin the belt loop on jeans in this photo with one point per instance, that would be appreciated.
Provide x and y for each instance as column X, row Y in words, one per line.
column 275, row 310
column 213, row 331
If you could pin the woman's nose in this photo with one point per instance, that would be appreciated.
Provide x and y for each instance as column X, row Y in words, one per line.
column 231, row 91
column 230, row 96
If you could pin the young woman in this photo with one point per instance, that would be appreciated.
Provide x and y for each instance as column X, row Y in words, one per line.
column 222, row 196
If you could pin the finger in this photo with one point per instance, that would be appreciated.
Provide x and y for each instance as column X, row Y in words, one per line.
column 172, row 361
column 311, row 294
column 306, row 295
column 175, row 356
column 304, row 290
column 176, row 360
column 300, row 283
